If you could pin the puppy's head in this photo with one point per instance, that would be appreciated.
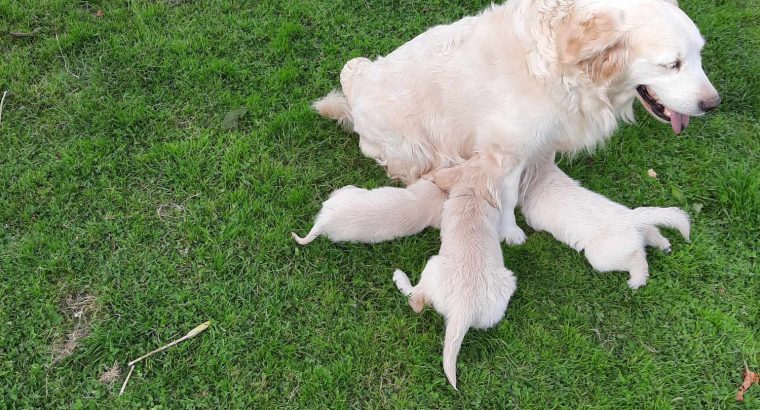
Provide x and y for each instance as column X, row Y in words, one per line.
column 480, row 176
column 646, row 48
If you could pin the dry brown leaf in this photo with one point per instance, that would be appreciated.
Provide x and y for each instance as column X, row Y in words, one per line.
column 750, row 378
column 98, row 13
column 651, row 173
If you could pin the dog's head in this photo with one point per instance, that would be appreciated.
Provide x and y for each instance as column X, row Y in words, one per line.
column 647, row 48
column 480, row 176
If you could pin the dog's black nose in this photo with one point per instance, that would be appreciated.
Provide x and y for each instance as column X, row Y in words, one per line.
column 709, row 105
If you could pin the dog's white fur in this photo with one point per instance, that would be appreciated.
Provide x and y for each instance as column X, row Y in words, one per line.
column 529, row 76
column 613, row 236
column 354, row 214
column 466, row 282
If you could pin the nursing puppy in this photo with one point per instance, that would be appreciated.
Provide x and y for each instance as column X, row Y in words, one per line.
column 354, row 214
column 613, row 236
column 529, row 76
column 466, row 282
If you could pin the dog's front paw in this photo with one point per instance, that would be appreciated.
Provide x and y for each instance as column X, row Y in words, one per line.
column 513, row 235
column 637, row 282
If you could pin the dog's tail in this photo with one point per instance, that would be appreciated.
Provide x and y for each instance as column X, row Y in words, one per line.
column 335, row 106
column 456, row 328
column 670, row 217
column 308, row 238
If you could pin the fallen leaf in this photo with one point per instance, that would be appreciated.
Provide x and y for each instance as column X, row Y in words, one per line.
column 651, row 173
column 750, row 378
column 697, row 207
column 677, row 194
column 231, row 119
column 98, row 13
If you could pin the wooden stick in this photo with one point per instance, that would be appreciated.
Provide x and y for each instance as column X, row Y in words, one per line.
column 65, row 62
column 2, row 104
column 124, row 386
column 18, row 34
column 200, row 328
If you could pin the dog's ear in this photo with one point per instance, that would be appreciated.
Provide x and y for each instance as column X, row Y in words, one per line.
column 491, row 195
column 596, row 45
column 445, row 178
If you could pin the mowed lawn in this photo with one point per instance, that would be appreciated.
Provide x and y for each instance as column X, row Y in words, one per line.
column 129, row 215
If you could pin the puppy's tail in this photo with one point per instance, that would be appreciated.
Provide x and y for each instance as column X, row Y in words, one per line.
column 335, row 106
column 670, row 217
column 456, row 328
column 308, row 238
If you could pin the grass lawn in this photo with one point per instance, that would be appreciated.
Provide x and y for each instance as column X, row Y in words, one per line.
column 129, row 215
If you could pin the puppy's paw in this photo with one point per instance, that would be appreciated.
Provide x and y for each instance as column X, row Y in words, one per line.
column 402, row 282
column 637, row 282
column 513, row 235
column 665, row 246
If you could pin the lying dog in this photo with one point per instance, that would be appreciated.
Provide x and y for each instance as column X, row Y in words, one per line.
column 466, row 282
column 531, row 77
column 613, row 236
column 354, row 214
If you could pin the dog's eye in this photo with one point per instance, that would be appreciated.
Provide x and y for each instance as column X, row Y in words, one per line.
column 676, row 65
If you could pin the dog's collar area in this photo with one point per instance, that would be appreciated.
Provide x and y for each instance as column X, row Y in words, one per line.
column 461, row 195
column 472, row 194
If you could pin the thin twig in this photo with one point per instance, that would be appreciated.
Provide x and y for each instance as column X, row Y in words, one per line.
column 124, row 386
column 200, row 328
column 18, row 34
column 65, row 63
column 2, row 104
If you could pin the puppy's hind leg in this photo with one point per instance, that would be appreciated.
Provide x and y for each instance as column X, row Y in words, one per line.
column 654, row 238
column 416, row 296
column 639, row 269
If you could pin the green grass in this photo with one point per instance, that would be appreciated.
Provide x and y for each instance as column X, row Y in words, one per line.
column 118, row 181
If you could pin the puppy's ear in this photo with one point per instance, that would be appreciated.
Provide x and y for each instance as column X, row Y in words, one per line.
column 445, row 178
column 596, row 45
column 491, row 195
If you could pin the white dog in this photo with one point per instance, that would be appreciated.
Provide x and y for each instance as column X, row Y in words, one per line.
column 466, row 282
column 529, row 76
column 613, row 236
column 354, row 214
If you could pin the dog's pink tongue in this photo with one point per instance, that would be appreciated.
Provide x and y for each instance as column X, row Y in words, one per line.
column 678, row 121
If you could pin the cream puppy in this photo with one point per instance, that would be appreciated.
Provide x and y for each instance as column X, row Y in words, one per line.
column 466, row 282
column 354, row 214
column 613, row 236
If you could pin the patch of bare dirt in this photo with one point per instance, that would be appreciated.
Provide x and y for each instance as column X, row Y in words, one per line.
column 79, row 309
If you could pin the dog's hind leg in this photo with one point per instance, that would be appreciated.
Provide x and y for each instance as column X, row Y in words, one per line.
column 639, row 269
column 654, row 238
column 417, row 299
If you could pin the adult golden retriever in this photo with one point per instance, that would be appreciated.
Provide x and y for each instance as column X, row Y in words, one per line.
column 528, row 77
